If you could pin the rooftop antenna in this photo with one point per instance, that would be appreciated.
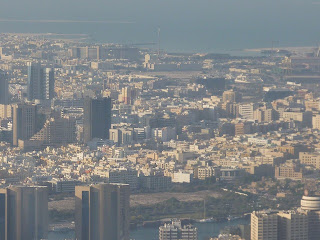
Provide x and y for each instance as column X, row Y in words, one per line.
column 318, row 51
column 274, row 45
column 158, row 42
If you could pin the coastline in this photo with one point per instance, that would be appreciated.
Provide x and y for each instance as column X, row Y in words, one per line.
column 294, row 49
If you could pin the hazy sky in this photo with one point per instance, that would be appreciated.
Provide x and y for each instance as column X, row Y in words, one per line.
column 266, row 19
column 135, row 10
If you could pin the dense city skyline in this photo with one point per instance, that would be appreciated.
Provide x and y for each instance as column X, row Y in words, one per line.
column 159, row 120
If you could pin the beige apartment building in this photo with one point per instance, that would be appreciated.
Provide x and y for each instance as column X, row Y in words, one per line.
column 316, row 121
column 284, row 225
column 231, row 96
column 5, row 111
column 263, row 115
column 290, row 171
column 293, row 225
column 264, row 226
column 203, row 173
column 305, row 118
column 310, row 159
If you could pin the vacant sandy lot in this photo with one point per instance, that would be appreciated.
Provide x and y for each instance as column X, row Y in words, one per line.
column 143, row 199
column 153, row 198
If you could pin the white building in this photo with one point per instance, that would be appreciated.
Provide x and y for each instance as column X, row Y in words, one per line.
column 164, row 134
column 246, row 111
column 175, row 231
column 182, row 176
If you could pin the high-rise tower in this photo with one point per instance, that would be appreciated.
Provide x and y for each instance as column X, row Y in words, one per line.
column 24, row 122
column 264, row 225
column 102, row 212
column 40, row 82
column 4, row 91
column 97, row 118
column 311, row 204
column 24, row 213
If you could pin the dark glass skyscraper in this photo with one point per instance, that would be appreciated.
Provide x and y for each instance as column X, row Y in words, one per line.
column 4, row 91
column 24, row 122
column 97, row 118
column 40, row 82
column 102, row 212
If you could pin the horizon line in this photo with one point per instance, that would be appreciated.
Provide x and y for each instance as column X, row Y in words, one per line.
column 65, row 21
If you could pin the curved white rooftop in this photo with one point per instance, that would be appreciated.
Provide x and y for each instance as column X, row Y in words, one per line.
column 310, row 203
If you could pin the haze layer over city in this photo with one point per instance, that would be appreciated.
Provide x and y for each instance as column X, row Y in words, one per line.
column 159, row 120
column 187, row 25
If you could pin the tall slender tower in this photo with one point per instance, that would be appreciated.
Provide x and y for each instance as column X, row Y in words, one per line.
column 128, row 95
column 159, row 42
column 48, row 89
column 24, row 122
column 4, row 89
column 311, row 204
column 97, row 118
column 24, row 213
column 40, row 82
column 102, row 212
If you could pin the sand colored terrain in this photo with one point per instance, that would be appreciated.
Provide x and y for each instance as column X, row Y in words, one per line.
column 143, row 199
